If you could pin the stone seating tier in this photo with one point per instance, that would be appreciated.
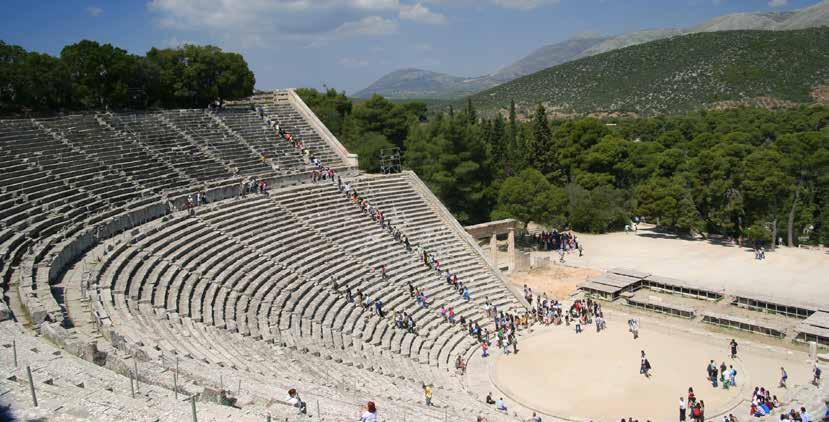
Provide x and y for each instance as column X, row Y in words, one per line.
column 238, row 303
column 89, row 204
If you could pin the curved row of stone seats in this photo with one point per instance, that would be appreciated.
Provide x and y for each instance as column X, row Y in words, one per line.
column 47, row 199
column 201, row 126
column 220, row 306
column 85, row 132
column 69, row 388
column 408, row 210
column 157, row 134
column 278, row 107
column 71, row 169
column 255, row 372
column 248, row 125
column 212, row 350
column 321, row 206
column 290, row 120
column 161, row 294
column 393, row 294
column 157, row 297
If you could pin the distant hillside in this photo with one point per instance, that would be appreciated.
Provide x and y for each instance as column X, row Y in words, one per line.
column 743, row 21
column 678, row 74
column 419, row 83
column 810, row 17
column 547, row 56
column 627, row 40
column 426, row 84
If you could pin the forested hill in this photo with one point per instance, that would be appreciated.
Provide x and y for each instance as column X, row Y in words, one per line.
column 696, row 71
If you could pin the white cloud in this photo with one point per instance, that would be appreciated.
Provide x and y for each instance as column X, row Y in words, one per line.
column 507, row 4
column 421, row 14
column 778, row 3
column 259, row 23
column 225, row 13
column 370, row 26
column 94, row 11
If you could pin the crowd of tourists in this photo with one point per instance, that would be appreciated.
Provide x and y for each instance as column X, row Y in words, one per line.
column 194, row 200
column 564, row 242
column 723, row 374
column 555, row 240
column 281, row 133
column 763, row 402
column 693, row 408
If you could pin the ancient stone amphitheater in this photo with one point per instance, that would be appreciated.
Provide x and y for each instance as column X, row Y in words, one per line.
column 106, row 276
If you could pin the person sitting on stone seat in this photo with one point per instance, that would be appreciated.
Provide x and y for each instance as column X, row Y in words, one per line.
column 295, row 401
column 500, row 405
column 460, row 365
column 370, row 413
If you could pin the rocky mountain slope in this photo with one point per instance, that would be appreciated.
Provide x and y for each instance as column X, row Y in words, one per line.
column 417, row 83
column 702, row 70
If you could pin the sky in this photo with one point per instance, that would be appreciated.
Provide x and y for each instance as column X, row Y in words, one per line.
column 347, row 44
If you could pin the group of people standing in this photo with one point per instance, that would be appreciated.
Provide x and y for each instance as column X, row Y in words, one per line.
column 193, row 201
column 693, row 408
column 555, row 240
column 724, row 375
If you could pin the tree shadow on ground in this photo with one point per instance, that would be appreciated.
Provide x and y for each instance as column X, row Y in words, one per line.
column 656, row 233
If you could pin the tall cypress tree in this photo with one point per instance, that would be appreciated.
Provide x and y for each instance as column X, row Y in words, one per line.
column 513, row 126
column 541, row 142
column 471, row 114
column 500, row 157
column 513, row 151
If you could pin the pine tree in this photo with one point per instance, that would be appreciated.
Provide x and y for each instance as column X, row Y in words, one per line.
column 501, row 160
column 471, row 114
column 513, row 152
column 512, row 122
column 541, row 142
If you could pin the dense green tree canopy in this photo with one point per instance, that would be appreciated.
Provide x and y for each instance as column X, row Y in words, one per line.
column 746, row 173
column 88, row 75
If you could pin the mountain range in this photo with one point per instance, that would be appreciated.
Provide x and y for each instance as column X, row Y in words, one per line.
column 424, row 84
column 704, row 70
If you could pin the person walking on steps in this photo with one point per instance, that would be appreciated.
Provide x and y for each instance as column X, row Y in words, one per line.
column 427, row 393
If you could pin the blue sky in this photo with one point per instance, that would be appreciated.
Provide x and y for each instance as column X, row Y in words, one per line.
column 348, row 44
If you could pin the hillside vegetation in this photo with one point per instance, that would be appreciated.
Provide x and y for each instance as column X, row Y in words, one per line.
column 677, row 74
column 748, row 173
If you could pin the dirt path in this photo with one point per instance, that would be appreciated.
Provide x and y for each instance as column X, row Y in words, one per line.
column 557, row 281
